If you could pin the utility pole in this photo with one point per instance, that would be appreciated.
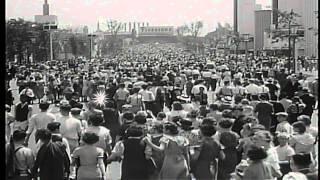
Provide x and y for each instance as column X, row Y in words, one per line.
column 49, row 28
column 289, row 43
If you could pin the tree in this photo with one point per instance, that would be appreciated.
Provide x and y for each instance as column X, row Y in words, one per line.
column 194, row 28
column 24, row 38
column 113, row 27
column 74, row 45
column 286, row 20
column 220, row 35
column 181, row 30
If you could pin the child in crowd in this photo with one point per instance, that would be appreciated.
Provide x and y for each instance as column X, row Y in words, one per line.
column 284, row 152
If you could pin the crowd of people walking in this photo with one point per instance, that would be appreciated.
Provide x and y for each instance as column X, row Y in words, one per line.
column 164, row 113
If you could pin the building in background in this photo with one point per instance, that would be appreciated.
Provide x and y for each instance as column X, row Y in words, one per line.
column 308, row 44
column 46, row 18
column 262, row 23
column 245, row 16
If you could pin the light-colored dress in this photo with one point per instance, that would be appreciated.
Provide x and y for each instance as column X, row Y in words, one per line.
column 85, row 87
column 88, row 156
column 174, row 164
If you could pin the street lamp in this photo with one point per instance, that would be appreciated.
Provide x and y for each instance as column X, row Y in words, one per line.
column 236, row 41
column 294, row 35
column 246, row 40
column 49, row 28
column 91, row 35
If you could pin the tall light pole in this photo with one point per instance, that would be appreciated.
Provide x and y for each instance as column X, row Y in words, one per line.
column 246, row 40
column 294, row 35
column 49, row 28
column 91, row 35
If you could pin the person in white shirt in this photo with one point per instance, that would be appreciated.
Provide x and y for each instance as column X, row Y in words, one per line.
column 196, row 88
column 284, row 150
column 121, row 96
column 147, row 96
column 283, row 125
column 70, row 127
column 206, row 74
column 263, row 89
column 40, row 120
column 252, row 88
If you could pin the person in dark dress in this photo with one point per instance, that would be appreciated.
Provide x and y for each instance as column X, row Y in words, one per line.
column 111, row 121
column 159, row 100
column 9, row 97
column 309, row 100
column 265, row 111
column 205, row 164
column 134, row 163
column 229, row 140
column 291, row 87
column 239, row 119
column 272, row 88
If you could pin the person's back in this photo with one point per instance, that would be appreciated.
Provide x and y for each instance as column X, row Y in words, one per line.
column 71, row 129
column 259, row 170
column 229, row 141
column 105, row 139
column 210, row 150
column 53, row 161
column 134, row 162
column 264, row 110
column 42, row 119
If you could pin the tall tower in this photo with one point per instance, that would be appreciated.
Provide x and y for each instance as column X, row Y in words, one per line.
column 45, row 8
column 235, row 16
column 275, row 7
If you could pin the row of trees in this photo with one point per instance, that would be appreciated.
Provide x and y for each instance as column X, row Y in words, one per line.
column 25, row 38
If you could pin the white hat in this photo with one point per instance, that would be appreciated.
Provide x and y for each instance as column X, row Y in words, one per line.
column 294, row 176
column 27, row 92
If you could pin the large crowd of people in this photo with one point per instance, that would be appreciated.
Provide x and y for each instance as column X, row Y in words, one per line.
column 164, row 113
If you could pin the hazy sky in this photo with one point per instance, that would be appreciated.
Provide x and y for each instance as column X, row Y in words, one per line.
column 156, row 12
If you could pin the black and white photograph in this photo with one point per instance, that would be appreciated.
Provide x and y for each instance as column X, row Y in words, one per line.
column 161, row 89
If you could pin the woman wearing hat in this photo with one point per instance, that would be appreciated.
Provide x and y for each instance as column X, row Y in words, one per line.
column 203, row 159
column 263, row 138
column 132, row 150
column 39, row 90
column 258, row 168
column 176, row 163
column 89, row 158
column 295, row 109
column 186, row 131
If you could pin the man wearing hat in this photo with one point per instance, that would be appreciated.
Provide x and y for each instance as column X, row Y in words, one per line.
column 71, row 128
column 309, row 100
column 54, row 128
column 283, row 124
column 40, row 120
column 23, row 110
column 252, row 88
column 273, row 89
column 18, row 164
